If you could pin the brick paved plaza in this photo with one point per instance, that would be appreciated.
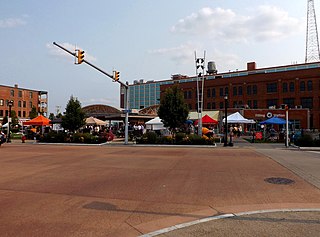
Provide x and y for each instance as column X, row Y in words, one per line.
column 57, row 190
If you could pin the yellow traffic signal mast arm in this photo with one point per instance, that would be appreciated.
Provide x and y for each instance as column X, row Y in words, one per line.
column 90, row 64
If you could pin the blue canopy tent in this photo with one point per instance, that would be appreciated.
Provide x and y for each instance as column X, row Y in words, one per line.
column 274, row 120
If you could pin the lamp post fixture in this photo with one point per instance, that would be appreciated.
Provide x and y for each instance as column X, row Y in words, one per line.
column 225, row 120
column 10, row 104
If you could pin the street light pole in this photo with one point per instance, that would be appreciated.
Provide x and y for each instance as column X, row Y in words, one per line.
column 116, row 79
column 225, row 120
column 10, row 104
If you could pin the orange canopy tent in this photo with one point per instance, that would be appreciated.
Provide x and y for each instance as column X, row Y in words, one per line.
column 40, row 121
column 207, row 120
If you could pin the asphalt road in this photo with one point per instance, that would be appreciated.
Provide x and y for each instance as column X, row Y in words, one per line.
column 50, row 190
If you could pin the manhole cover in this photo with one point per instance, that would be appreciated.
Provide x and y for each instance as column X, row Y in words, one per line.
column 274, row 180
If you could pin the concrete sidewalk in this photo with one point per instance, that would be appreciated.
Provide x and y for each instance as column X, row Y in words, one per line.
column 282, row 222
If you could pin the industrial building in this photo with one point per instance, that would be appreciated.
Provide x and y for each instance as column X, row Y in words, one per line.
column 23, row 101
column 255, row 92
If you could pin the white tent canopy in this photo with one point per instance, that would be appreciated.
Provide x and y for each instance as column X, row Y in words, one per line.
column 5, row 125
column 238, row 118
column 155, row 124
column 95, row 121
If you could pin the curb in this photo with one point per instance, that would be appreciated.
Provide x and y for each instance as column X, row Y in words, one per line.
column 212, row 218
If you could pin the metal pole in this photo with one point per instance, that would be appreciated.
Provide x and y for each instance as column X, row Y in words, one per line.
column 10, row 103
column 225, row 121
column 8, row 130
column 126, row 86
column 127, row 116
column 287, row 127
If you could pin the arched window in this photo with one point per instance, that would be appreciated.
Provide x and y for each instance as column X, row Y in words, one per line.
column 254, row 89
column 291, row 87
column 309, row 85
column 284, row 87
column 302, row 86
column 213, row 92
column 235, row 90
column 240, row 90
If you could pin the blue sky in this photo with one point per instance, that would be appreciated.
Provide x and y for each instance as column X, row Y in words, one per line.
column 143, row 39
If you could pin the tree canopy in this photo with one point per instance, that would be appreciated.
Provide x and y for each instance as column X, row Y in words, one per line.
column 33, row 113
column 73, row 118
column 173, row 110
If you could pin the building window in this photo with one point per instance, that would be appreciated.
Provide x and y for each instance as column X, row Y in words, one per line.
column 12, row 93
column 226, row 91
column 30, row 104
column 240, row 90
column 255, row 104
column 249, row 103
column 291, row 87
column 19, row 113
column 208, row 93
column 248, row 90
column 1, row 102
column 189, row 94
column 24, row 104
column 19, row 104
column 272, row 87
column 289, row 102
column 309, row 85
column 213, row 92
column 254, row 89
column 272, row 102
column 307, row 102
column 284, row 87
column 30, row 95
column 235, row 104
column 221, row 105
column 221, row 92
column 302, row 86
column 20, row 93
column 185, row 94
column 24, row 114
column 1, row 113
column 209, row 105
column 235, row 91
column 213, row 105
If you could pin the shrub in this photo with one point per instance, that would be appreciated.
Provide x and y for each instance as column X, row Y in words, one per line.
column 179, row 138
column 304, row 141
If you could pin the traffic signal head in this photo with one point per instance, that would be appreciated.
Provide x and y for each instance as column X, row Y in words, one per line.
column 116, row 75
column 80, row 56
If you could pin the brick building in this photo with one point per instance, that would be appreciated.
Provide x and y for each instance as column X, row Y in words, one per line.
column 23, row 101
column 251, row 90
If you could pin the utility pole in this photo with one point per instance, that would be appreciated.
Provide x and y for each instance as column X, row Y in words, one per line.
column 116, row 77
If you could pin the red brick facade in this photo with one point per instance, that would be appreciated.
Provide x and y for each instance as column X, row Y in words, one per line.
column 23, row 101
column 265, row 89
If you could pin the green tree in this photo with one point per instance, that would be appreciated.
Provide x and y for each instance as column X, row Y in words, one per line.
column 73, row 118
column 51, row 116
column 173, row 111
column 33, row 113
column 14, row 119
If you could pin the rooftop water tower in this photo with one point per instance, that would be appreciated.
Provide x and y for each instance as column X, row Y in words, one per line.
column 212, row 68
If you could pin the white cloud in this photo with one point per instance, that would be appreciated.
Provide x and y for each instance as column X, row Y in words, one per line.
column 12, row 22
column 264, row 23
column 57, row 52
column 180, row 54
